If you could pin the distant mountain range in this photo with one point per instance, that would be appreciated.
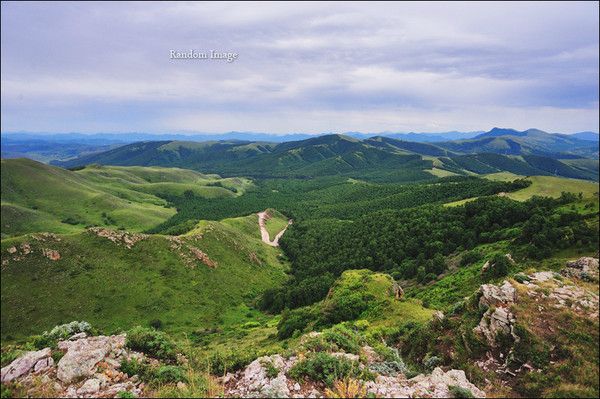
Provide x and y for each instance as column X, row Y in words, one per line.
column 124, row 138
column 531, row 152
column 528, row 142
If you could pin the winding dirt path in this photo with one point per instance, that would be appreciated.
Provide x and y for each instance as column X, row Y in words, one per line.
column 262, row 218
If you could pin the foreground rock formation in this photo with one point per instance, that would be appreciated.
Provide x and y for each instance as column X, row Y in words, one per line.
column 88, row 368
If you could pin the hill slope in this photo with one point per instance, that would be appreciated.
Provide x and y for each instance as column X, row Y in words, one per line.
column 376, row 158
column 38, row 197
column 118, row 280
column 528, row 142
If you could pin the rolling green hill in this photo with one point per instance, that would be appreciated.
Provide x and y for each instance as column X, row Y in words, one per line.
column 38, row 197
column 528, row 142
column 526, row 165
column 376, row 158
column 188, row 282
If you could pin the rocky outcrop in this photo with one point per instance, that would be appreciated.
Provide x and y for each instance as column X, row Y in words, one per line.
column 495, row 322
column 118, row 237
column 51, row 254
column 256, row 381
column 203, row 257
column 26, row 364
column 88, row 368
column 585, row 268
column 83, row 355
column 435, row 385
column 493, row 295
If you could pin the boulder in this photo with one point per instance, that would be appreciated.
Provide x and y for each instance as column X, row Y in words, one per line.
column 83, row 355
column 24, row 364
column 254, row 382
column 494, row 322
column 492, row 295
column 43, row 364
column 437, row 384
column 89, row 387
column 434, row 385
column 585, row 268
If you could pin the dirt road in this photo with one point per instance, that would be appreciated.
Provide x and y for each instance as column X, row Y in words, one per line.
column 262, row 218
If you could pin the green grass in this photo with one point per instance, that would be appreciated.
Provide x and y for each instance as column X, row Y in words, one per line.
column 38, row 197
column 441, row 172
column 115, row 288
column 546, row 186
column 276, row 223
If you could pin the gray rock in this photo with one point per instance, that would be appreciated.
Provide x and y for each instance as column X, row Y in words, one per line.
column 77, row 336
column 83, row 355
column 89, row 387
column 494, row 322
column 23, row 365
column 492, row 295
column 43, row 364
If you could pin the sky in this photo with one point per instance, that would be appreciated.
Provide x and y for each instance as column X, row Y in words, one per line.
column 300, row 67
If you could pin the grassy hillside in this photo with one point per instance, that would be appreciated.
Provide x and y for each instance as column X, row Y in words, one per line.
column 528, row 142
column 38, row 197
column 188, row 282
column 375, row 159
column 548, row 186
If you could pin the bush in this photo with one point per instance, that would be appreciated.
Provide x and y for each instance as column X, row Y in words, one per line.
column 521, row 278
column 470, row 257
column 344, row 338
column 155, row 375
column 168, row 374
column 460, row 392
column 66, row 330
column 221, row 363
column 295, row 320
column 431, row 362
column 152, row 342
column 156, row 323
column 134, row 367
column 324, row 367
column 498, row 267
column 125, row 394
column 270, row 369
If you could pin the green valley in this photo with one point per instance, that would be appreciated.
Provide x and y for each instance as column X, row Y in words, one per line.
column 385, row 270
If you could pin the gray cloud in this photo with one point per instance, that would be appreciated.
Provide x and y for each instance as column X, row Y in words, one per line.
column 302, row 67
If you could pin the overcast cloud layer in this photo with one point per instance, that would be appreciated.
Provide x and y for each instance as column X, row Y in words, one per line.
column 302, row 67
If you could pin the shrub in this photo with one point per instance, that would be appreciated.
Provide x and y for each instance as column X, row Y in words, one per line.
column 295, row 320
column 168, row 374
column 460, row 392
column 9, row 354
column 344, row 338
column 431, row 362
column 134, row 367
column 156, row 324
column 321, row 366
column 498, row 267
column 521, row 278
column 250, row 324
column 152, row 342
column 270, row 369
column 347, row 388
column 317, row 343
column 66, row 330
column 125, row 394
column 224, row 362
column 470, row 257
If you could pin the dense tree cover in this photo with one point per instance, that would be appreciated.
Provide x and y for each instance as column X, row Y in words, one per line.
column 412, row 243
column 327, row 197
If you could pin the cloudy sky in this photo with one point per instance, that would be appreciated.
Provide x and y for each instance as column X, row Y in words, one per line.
column 302, row 67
